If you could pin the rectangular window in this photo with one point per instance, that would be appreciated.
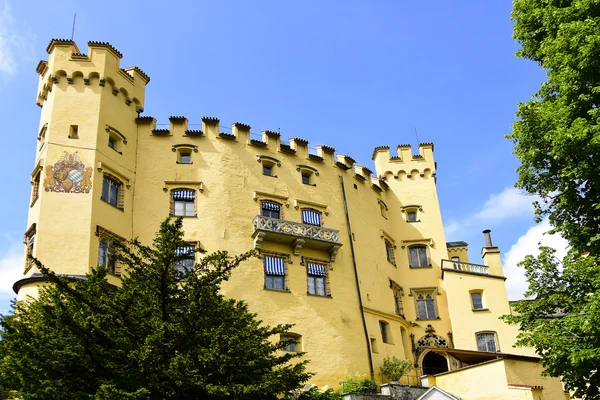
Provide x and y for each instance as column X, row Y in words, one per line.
column 267, row 170
column 111, row 191
column 426, row 305
column 185, row 158
column 411, row 216
column 30, row 244
column 35, row 192
column 418, row 256
column 112, row 143
column 311, row 217
column 398, row 293
column 476, row 300
column 306, row 179
column 186, row 259
column 389, row 251
column 107, row 256
column 317, row 274
column 384, row 333
column 486, row 341
column 184, row 202
column 270, row 209
column 292, row 344
column 274, row 273
column 74, row 132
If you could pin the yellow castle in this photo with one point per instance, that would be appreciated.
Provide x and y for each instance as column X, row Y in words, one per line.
column 357, row 260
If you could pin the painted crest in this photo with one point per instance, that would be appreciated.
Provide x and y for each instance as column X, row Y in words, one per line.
column 68, row 175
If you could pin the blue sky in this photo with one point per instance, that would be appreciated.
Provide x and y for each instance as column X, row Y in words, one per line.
column 352, row 74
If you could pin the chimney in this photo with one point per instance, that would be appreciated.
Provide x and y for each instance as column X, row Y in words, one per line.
column 488, row 238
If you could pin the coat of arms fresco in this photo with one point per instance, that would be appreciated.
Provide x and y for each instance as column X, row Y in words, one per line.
column 68, row 175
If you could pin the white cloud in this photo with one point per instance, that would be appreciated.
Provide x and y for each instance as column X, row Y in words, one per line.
column 528, row 244
column 11, row 270
column 499, row 207
column 15, row 43
column 509, row 203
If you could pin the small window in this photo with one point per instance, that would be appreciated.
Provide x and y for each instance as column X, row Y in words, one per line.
column 418, row 256
column 411, row 216
column 374, row 345
column 455, row 259
column 274, row 273
column 383, row 327
column 267, row 169
column 293, row 343
column 42, row 136
column 317, row 274
column 382, row 209
column 35, row 190
column 113, row 143
column 185, row 158
column 74, row 132
column 311, row 217
column 486, row 341
column 398, row 293
column 270, row 209
column 306, row 178
column 186, row 258
column 184, row 202
column 107, row 256
column 426, row 305
column 477, row 301
column 111, row 191
column 389, row 250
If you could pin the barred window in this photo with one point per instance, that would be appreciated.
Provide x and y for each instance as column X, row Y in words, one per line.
column 389, row 251
column 311, row 217
column 398, row 293
column 274, row 272
column 271, row 209
column 184, row 202
column 317, row 283
column 35, row 191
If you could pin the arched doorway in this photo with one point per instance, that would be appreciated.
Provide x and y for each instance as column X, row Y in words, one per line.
column 434, row 363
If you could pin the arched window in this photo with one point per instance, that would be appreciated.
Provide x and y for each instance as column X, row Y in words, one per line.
column 426, row 305
column 418, row 256
column 487, row 341
column 311, row 217
column 270, row 209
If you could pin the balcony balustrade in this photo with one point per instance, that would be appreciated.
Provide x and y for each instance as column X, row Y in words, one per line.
column 297, row 234
column 464, row 266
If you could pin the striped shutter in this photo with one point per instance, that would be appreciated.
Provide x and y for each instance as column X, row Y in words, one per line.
column 311, row 217
column 316, row 269
column 274, row 266
column 184, row 194
column 267, row 205
column 183, row 251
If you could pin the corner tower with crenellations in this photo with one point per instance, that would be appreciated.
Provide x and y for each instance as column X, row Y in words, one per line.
column 357, row 260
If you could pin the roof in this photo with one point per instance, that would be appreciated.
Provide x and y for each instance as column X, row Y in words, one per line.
column 472, row 357
column 460, row 243
column 437, row 389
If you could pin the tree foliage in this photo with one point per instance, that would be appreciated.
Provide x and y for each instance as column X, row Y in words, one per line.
column 163, row 334
column 394, row 368
column 557, row 141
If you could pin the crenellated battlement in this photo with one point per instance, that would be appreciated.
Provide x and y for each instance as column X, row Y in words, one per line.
column 99, row 67
column 406, row 163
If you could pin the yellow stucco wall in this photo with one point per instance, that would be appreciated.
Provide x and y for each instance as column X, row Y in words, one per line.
column 94, row 93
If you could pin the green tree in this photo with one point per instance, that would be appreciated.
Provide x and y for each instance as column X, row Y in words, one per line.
column 557, row 141
column 394, row 368
column 163, row 334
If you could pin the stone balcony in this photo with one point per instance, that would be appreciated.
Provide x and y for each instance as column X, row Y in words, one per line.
column 297, row 234
column 465, row 267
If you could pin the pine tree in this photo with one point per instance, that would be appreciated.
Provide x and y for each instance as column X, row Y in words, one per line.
column 162, row 334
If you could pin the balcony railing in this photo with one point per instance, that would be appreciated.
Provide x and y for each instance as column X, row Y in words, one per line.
column 464, row 266
column 298, row 234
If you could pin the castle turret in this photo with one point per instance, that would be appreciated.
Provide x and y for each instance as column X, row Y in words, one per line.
column 85, row 159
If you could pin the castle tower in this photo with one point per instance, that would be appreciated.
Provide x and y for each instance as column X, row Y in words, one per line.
column 87, row 135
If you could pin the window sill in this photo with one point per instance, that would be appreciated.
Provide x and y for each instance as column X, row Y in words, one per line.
column 310, row 184
column 327, row 296
column 423, row 267
column 428, row 319
column 183, row 163
column 115, row 150
column 480, row 309
column 33, row 201
column 270, row 176
column 412, row 222
column 184, row 216
column 393, row 263
column 278, row 290
column 27, row 268
column 112, row 205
